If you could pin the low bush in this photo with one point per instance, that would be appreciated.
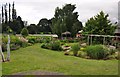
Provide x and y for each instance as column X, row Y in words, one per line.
column 24, row 32
column 14, row 47
column 31, row 40
column 75, row 49
column 82, row 54
column 38, row 39
column 54, row 45
column 82, row 49
column 24, row 44
column 4, row 47
column 112, row 51
column 69, row 40
column 15, row 43
column 97, row 51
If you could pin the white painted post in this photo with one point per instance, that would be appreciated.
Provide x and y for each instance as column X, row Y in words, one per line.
column 8, row 49
column 2, row 55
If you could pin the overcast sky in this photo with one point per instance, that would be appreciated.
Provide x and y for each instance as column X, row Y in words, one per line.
column 33, row 10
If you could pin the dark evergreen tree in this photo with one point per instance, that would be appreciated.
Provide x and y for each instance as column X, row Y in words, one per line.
column 14, row 15
column 9, row 12
column 2, row 14
column 6, row 16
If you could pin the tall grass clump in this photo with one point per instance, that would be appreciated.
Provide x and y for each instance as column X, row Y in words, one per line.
column 97, row 51
column 75, row 49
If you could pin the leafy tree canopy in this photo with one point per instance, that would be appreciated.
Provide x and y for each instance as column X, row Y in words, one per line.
column 44, row 25
column 99, row 24
column 65, row 19
column 32, row 28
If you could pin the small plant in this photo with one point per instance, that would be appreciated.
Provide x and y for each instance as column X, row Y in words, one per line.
column 82, row 54
column 24, row 32
column 75, row 49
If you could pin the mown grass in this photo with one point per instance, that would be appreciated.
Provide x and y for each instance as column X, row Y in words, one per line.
column 35, row 58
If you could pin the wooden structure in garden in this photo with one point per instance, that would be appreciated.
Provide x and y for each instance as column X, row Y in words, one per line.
column 66, row 35
column 117, row 31
column 79, row 34
column 90, row 38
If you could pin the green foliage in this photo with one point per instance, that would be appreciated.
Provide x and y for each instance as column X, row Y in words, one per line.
column 65, row 19
column 75, row 49
column 97, row 51
column 99, row 24
column 24, row 32
column 14, row 46
column 32, row 28
column 44, row 25
column 53, row 45
column 82, row 54
column 70, row 40
column 56, row 45
column 24, row 44
column 15, row 42
column 38, row 39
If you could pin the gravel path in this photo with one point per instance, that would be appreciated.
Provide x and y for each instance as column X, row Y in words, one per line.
column 38, row 73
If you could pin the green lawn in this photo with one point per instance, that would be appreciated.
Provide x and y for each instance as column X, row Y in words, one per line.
column 35, row 58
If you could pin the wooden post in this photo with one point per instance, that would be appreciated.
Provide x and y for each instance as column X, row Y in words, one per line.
column 88, row 39
column 103, row 40
column 8, row 49
column 116, row 42
column 91, row 40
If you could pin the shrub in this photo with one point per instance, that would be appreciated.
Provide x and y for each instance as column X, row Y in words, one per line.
column 24, row 32
column 4, row 47
column 31, row 40
column 54, row 45
column 82, row 54
column 112, row 51
column 14, row 47
column 82, row 49
column 24, row 44
column 97, row 51
column 75, row 49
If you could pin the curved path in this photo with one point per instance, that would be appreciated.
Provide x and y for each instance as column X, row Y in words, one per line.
column 38, row 73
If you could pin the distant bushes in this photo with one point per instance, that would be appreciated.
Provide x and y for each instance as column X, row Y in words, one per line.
column 69, row 40
column 15, row 43
column 33, row 39
column 53, row 45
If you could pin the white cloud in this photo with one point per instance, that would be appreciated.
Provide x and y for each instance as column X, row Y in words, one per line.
column 33, row 10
